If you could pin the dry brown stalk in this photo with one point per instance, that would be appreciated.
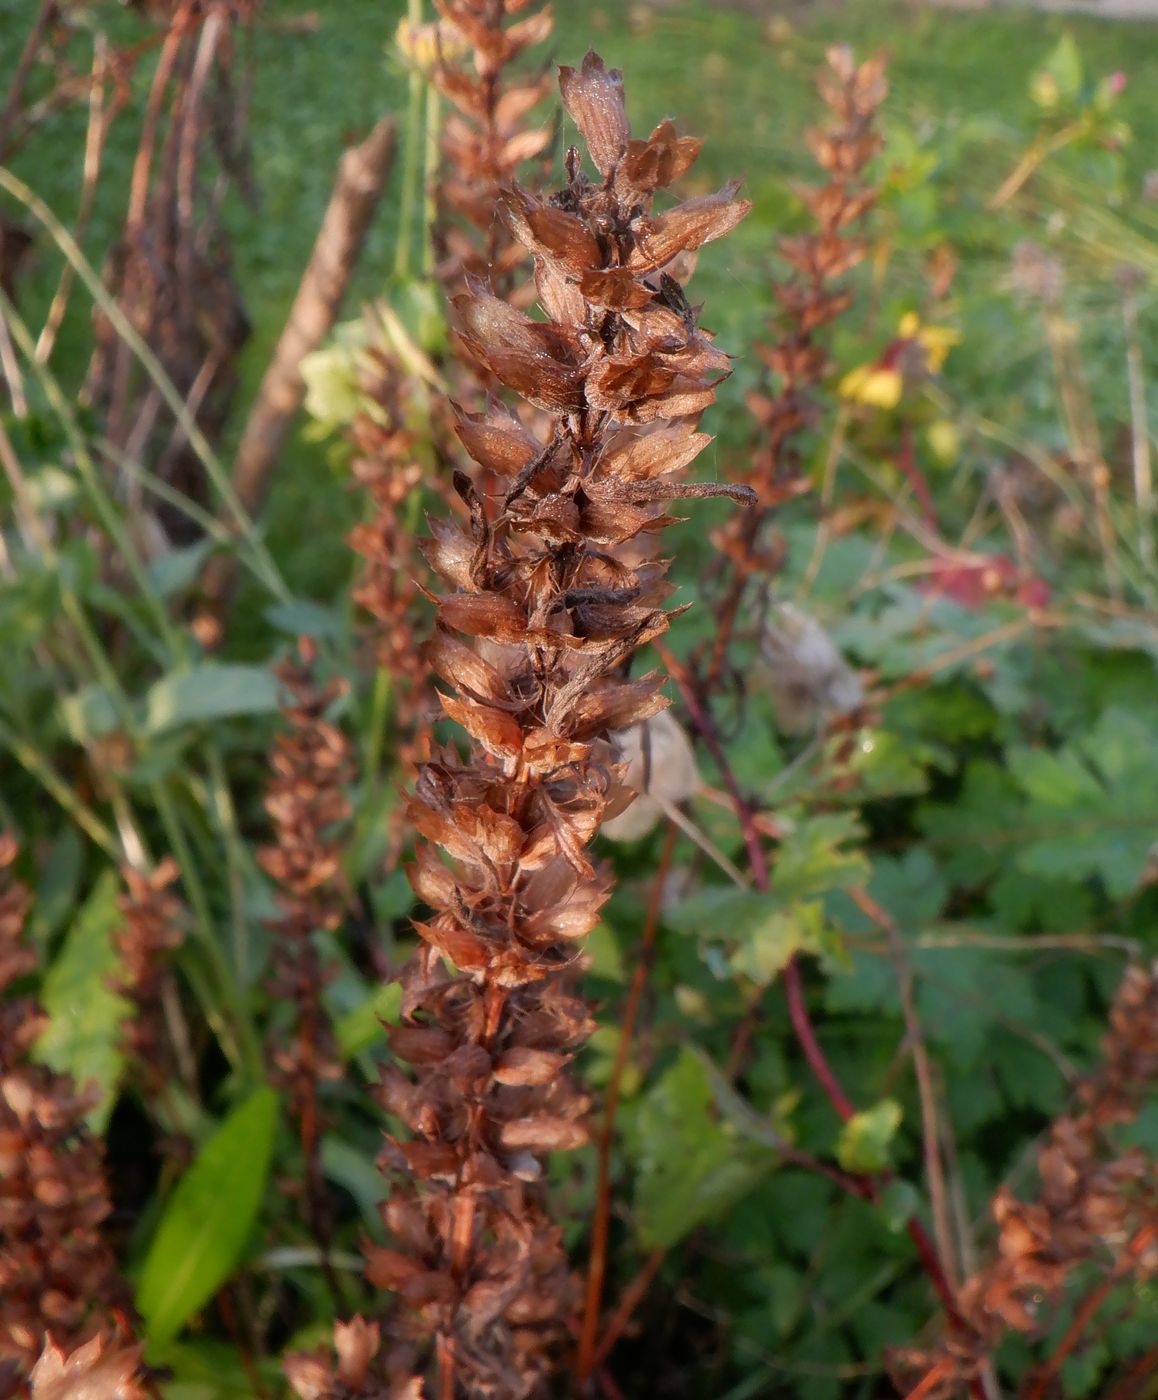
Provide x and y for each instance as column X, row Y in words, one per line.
column 152, row 928
column 812, row 298
column 58, row 1278
column 358, row 187
column 547, row 616
column 307, row 803
column 1097, row 1204
column 486, row 140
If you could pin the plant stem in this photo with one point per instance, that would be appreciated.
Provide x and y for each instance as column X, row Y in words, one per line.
column 589, row 1352
column 411, row 170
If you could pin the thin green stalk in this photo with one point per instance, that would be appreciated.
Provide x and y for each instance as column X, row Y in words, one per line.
column 200, row 444
column 430, row 177
column 246, row 1051
column 410, row 165
column 226, row 817
column 38, row 768
column 103, row 503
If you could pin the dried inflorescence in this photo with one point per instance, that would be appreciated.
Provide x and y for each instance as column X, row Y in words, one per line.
column 151, row 930
column 95, row 1371
column 1096, row 1203
column 307, row 803
column 810, row 300
column 548, row 611
column 359, row 1373
column 486, row 140
column 58, row 1280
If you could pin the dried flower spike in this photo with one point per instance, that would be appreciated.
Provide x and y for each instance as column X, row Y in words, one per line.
column 58, row 1279
column 547, row 613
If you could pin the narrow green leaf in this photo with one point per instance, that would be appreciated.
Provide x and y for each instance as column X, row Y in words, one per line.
column 209, row 692
column 863, row 1145
column 177, row 568
column 85, row 1015
column 208, row 1219
column 361, row 1027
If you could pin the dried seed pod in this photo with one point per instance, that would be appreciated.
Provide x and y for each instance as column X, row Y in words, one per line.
column 807, row 677
column 549, row 600
column 659, row 767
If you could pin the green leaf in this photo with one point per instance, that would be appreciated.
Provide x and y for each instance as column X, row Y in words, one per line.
column 85, row 1015
column 780, row 936
column 303, row 618
column 689, row 1166
column 177, row 568
column 56, row 893
column 208, row 1219
column 361, row 1028
column 812, row 858
column 89, row 713
column 863, row 1145
column 209, row 692
column 898, row 1204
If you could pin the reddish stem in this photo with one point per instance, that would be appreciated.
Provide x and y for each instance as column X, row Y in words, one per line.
column 1088, row 1310
column 793, row 984
column 590, row 1353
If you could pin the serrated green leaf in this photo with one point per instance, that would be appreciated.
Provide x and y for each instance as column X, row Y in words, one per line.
column 813, row 857
column 689, row 1166
column 208, row 692
column 86, row 1016
column 863, row 1145
column 208, row 1219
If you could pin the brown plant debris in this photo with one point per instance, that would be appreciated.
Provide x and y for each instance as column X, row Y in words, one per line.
column 94, row 1371
column 539, row 617
column 485, row 140
column 58, row 1278
column 359, row 1373
column 151, row 930
column 1096, row 1204
column 810, row 299
column 307, row 803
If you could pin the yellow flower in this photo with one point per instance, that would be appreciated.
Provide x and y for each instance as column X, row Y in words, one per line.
column 424, row 45
column 916, row 351
column 936, row 341
column 873, row 385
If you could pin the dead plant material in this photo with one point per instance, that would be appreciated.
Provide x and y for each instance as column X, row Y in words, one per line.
column 171, row 268
column 538, row 621
column 486, row 141
column 152, row 929
column 58, row 1278
column 811, row 299
column 359, row 1373
column 307, row 803
column 1096, row 1204
column 361, row 179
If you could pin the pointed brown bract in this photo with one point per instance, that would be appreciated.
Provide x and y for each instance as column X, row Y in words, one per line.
column 1097, row 1203
column 549, row 599
column 58, row 1278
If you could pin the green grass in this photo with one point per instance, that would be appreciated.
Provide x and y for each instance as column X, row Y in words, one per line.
column 717, row 69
